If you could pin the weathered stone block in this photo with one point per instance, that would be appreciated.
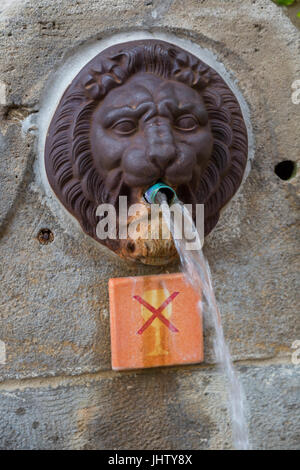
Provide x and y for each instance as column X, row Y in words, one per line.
column 151, row 410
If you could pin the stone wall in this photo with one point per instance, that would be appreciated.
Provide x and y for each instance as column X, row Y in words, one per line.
column 56, row 384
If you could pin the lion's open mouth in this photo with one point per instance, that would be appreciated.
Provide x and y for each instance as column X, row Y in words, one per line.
column 153, row 252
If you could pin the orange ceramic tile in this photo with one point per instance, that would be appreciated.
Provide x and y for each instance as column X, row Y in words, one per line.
column 154, row 321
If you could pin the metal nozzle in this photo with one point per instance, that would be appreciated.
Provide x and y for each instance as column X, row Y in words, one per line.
column 151, row 195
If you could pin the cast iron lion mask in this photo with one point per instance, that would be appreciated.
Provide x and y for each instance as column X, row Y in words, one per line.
column 138, row 113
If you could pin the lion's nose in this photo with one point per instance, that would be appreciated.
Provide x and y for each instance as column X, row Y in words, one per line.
column 161, row 148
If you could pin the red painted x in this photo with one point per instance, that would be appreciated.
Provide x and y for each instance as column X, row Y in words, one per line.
column 157, row 312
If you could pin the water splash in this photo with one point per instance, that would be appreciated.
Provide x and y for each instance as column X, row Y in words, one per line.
column 197, row 272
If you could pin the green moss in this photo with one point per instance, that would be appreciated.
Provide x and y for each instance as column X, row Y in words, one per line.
column 284, row 2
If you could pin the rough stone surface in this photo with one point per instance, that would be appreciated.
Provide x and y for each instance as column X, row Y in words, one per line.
column 54, row 306
column 118, row 412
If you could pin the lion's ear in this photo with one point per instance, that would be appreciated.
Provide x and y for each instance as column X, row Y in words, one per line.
column 121, row 59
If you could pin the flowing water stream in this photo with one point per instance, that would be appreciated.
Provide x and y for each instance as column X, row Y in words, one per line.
column 197, row 272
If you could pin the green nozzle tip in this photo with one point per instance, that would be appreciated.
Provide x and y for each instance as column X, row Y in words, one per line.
column 151, row 193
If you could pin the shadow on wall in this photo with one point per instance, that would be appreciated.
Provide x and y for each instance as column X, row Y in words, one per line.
column 153, row 413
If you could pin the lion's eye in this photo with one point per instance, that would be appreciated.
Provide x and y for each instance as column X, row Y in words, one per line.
column 126, row 126
column 186, row 123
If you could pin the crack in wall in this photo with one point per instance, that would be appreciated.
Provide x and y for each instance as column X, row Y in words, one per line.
column 87, row 378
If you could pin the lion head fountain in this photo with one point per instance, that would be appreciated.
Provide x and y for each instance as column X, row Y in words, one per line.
column 138, row 113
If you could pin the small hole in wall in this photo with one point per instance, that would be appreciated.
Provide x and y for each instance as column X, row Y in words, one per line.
column 286, row 169
column 45, row 236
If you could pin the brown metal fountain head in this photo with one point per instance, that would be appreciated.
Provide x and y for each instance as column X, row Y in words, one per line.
column 138, row 113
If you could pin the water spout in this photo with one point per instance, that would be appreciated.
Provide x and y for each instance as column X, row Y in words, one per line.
column 155, row 192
